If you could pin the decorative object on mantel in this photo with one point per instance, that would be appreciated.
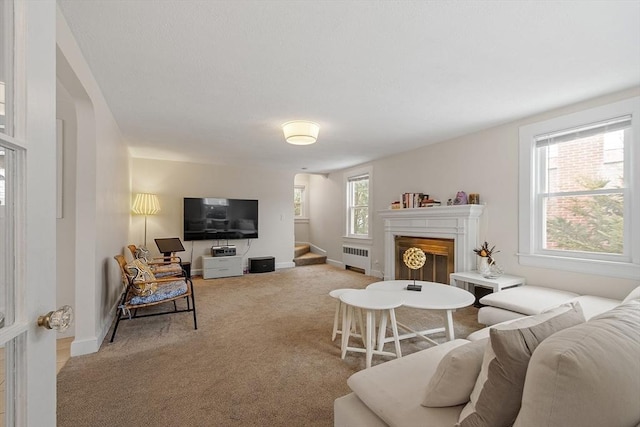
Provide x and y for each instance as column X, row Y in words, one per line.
column 414, row 258
column 474, row 199
column 487, row 265
column 461, row 198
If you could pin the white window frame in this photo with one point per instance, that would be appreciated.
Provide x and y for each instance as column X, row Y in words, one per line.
column 303, row 202
column 530, row 222
column 348, row 176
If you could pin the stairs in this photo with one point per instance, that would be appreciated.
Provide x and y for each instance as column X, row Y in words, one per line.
column 303, row 256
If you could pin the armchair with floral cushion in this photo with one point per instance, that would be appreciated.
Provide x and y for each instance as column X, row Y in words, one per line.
column 162, row 266
column 142, row 289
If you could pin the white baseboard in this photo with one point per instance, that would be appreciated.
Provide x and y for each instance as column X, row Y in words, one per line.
column 86, row 346
column 90, row 345
column 289, row 264
column 335, row 263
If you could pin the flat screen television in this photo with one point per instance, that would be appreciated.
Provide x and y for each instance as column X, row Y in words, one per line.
column 213, row 218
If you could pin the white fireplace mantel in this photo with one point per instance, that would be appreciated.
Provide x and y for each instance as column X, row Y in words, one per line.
column 460, row 223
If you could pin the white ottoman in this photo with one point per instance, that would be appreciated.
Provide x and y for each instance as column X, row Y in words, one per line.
column 519, row 302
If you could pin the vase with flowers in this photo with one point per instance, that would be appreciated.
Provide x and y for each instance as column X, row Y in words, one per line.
column 487, row 266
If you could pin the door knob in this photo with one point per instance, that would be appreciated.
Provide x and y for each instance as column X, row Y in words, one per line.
column 59, row 320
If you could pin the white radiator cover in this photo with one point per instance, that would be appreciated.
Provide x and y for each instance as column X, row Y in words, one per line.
column 357, row 256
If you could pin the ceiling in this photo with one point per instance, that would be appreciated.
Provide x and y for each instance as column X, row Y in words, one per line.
column 212, row 81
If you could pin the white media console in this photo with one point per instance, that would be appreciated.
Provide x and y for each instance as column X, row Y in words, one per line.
column 223, row 266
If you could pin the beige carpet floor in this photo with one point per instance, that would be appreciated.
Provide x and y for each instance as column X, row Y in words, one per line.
column 262, row 356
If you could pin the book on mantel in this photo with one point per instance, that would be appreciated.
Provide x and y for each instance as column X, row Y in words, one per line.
column 414, row 200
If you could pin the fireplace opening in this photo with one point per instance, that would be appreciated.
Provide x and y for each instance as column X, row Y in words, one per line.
column 440, row 255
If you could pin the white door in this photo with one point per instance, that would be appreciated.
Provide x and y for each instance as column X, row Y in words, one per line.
column 27, row 210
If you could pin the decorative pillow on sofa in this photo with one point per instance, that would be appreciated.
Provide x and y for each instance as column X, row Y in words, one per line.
column 588, row 375
column 455, row 376
column 142, row 278
column 495, row 399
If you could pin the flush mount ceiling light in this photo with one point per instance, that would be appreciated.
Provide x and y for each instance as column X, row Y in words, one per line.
column 300, row 132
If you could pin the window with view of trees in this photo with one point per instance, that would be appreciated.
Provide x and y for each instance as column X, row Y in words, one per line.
column 577, row 195
column 358, row 205
column 298, row 200
column 582, row 188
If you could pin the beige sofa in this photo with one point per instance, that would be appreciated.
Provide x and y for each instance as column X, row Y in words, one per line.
column 565, row 372
column 528, row 300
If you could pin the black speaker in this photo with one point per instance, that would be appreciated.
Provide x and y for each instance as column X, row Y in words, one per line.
column 262, row 264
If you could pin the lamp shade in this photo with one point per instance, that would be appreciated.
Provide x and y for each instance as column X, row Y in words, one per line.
column 300, row 132
column 146, row 204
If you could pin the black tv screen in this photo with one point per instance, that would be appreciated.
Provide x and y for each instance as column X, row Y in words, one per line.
column 213, row 218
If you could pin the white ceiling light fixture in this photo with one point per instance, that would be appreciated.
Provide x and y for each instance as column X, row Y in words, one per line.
column 300, row 132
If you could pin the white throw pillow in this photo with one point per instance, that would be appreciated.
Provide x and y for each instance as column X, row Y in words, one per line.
column 455, row 376
column 495, row 399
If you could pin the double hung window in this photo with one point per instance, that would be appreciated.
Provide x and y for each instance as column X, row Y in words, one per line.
column 358, row 203
column 579, row 198
column 298, row 201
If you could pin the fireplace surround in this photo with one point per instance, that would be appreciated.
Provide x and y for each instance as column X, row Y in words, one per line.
column 460, row 223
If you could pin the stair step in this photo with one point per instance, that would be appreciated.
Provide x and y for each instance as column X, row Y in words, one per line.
column 310, row 259
column 301, row 250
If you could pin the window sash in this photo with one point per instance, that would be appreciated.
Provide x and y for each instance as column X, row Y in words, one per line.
column 530, row 226
column 355, row 207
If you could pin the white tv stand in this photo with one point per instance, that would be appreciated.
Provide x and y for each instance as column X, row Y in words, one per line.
column 222, row 266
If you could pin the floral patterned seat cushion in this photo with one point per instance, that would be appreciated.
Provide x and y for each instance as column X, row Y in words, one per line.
column 164, row 270
column 164, row 291
column 142, row 278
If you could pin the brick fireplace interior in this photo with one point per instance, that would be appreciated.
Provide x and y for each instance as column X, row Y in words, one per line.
column 440, row 259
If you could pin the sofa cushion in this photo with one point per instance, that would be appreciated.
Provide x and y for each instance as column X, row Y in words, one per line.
column 592, row 306
column 349, row 411
column 528, row 299
column 455, row 376
column 488, row 315
column 588, row 375
column 393, row 390
column 634, row 294
column 495, row 400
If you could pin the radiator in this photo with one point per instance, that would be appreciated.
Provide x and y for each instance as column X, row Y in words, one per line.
column 354, row 256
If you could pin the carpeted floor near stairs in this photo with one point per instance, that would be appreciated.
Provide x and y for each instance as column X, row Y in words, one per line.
column 262, row 356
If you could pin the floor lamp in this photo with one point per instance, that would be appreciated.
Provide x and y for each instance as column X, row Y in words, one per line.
column 146, row 204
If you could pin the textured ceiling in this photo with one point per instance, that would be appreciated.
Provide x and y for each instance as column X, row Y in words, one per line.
column 212, row 81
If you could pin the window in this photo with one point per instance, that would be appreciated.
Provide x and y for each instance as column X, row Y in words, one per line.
column 358, row 203
column 578, row 203
column 298, row 201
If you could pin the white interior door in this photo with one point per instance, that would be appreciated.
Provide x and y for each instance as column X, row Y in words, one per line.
column 27, row 210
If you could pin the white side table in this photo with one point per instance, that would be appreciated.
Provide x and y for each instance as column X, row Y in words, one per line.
column 371, row 301
column 464, row 278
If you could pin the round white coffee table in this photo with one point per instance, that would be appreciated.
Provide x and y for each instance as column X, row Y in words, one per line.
column 370, row 301
column 432, row 296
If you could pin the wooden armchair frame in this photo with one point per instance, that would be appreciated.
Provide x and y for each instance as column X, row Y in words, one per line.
column 128, row 311
column 159, row 262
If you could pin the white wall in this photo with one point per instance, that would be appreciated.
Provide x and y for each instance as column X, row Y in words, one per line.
column 102, row 196
column 172, row 181
column 485, row 162
column 66, row 226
